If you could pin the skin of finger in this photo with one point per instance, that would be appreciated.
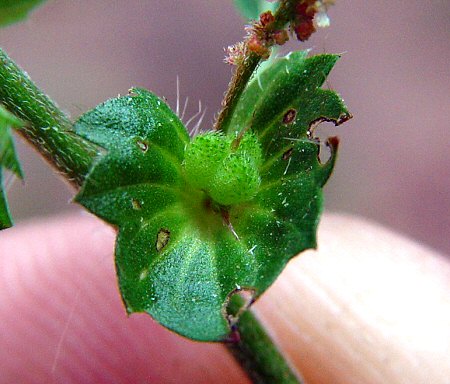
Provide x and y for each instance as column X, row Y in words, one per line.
column 370, row 306
column 62, row 320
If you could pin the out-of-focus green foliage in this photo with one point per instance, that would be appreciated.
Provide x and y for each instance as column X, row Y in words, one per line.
column 8, row 159
column 12, row 11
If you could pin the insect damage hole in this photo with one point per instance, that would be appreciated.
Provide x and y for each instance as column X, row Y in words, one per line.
column 325, row 152
column 320, row 137
column 236, row 303
column 136, row 204
column 142, row 145
column 289, row 116
column 331, row 144
column 162, row 238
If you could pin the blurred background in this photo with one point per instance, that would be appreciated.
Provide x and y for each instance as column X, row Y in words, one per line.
column 394, row 76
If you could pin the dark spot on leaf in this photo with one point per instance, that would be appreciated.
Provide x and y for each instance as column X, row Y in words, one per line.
column 136, row 204
column 333, row 142
column 343, row 118
column 288, row 154
column 131, row 93
column 143, row 145
column 289, row 116
column 162, row 239
column 207, row 203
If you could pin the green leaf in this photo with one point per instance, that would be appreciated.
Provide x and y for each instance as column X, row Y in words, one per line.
column 5, row 216
column 8, row 160
column 180, row 255
column 12, row 11
column 251, row 9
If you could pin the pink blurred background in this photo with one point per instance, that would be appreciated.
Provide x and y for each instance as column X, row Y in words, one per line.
column 393, row 166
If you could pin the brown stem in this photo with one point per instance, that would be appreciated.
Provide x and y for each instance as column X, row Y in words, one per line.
column 248, row 65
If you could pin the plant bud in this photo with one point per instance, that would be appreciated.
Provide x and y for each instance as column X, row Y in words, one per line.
column 236, row 181
column 226, row 174
column 202, row 157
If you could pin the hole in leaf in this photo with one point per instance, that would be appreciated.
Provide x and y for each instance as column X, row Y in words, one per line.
column 289, row 116
column 324, row 152
column 321, row 136
column 162, row 239
column 237, row 302
column 332, row 145
column 136, row 204
column 327, row 149
column 142, row 144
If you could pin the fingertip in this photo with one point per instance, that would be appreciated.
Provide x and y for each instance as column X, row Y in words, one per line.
column 370, row 306
column 63, row 319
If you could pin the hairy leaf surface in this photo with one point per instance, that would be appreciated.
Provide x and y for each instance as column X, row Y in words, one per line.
column 180, row 256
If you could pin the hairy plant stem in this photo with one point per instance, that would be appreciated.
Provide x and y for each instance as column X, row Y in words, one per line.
column 47, row 127
column 256, row 351
column 241, row 77
column 49, row 130
column 246, row 67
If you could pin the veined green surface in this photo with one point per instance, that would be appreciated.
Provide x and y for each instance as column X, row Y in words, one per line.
column 179, row 255
column 12, row 11
column 224, row 167
column 8, row 159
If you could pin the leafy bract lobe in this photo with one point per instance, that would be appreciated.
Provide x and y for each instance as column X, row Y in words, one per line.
column 180, row 254
column 8, row 160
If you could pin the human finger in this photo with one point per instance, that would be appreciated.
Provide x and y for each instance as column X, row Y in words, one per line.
column 63, row 321
column 370, row 306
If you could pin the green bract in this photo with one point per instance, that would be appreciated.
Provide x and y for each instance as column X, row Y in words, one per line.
column 224, row 167
column 8, row 159
column 191, row 232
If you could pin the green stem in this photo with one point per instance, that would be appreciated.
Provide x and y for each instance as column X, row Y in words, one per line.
column 247, row 67
column 256, row 351
column 47, row 127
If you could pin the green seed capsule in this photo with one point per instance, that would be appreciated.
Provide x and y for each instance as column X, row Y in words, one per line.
column 251, row 147
column 236, row 180
column 202, row 158
column 228, row 175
